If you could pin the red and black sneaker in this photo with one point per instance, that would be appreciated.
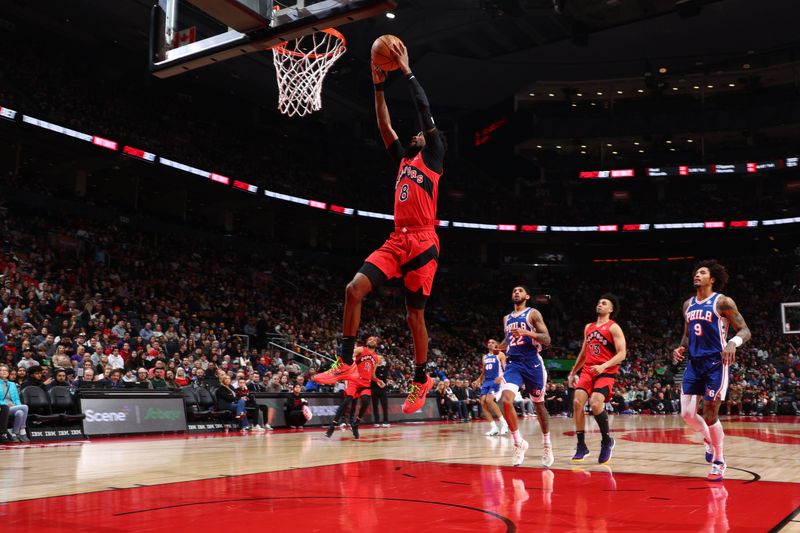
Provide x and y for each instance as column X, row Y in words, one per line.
column 338, row 372
column 416, row 396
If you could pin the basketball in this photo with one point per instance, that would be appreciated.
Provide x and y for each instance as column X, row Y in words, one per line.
column 382, row 55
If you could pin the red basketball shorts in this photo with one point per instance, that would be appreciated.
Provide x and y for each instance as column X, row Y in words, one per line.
column 412, row 256
column 357, row 389
column 602, row 384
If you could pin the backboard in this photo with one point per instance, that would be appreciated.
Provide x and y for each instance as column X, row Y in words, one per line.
column 189, row 34
column 790, row 317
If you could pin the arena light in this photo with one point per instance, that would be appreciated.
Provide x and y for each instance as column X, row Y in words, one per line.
column 186, row 168
column 138, row 154
column 10, row 114
column 104, row 143
column 473, row 225
column 580, row 229
column 743, row 224
column 717, row 224
column 533, row 228
column 680, row 225
column 370, row 214
column 317, row 205
column 341, row 210
column 608, row 227
column 219, row 178
column 56, row 128
column 244, row 186
column 506, row 227
column 286, row 197
column 442, row 223
column 780, row 221
column 636, row 227
column 791, row 162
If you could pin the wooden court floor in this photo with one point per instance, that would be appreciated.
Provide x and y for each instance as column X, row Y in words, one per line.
column 410, row 477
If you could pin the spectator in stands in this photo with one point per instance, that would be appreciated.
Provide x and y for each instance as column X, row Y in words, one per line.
column 228, row 400
column 442, row 401
column 618, row 400
column 146, row 333
column 19, row 377
column 461, row 401
column 274, row 385
column 115, row 360
column 86, row 381
column 60, row 379
column 293, row 409
column 180, row 377
column 159, row 380
column 142, row 381
column 27, row 360
column 9, row 395
column 34, row 379
column 114, row 380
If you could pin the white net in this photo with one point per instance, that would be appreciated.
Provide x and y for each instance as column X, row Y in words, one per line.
column 301, row 65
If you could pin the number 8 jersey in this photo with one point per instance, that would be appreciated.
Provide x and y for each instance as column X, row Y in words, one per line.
column 708, row 329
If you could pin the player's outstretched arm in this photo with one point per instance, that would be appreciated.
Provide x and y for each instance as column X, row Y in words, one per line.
column 580, row 360
column 677, row 353
column 388, row 134
column 727, row 308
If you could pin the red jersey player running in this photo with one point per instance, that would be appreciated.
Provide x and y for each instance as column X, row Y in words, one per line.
column 602, row 351
column 412, row 250
column 366, row 361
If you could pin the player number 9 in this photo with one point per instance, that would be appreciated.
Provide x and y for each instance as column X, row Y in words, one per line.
column 698, row 330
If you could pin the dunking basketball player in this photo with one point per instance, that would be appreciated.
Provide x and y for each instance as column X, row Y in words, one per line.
column 366, row 361
column 525, row 334
column 412, row 250
column 707, row 316
column 490, row 379
column 602, row 351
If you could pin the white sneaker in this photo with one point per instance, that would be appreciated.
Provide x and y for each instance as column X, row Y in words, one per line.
column 386, row 425
column 504, row 429
column 268, row 427
column 258, row 428
column 519, row 453
column 492, row 432
column 547, row 456
column 377, row 426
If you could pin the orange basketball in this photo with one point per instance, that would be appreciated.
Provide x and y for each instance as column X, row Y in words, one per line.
column 382, row 55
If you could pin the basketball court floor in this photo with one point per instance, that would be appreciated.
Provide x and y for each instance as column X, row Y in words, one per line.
column 410, row 477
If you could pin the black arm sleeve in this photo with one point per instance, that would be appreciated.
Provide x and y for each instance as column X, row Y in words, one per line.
column 396, row 151
column 433, row 154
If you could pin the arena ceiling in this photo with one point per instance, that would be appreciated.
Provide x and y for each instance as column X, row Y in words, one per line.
column 474, row 53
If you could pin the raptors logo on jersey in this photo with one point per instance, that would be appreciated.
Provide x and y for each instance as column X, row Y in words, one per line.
column 416, row 191
column 600, row 346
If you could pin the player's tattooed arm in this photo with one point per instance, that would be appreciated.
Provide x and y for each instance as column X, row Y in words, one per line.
column 677, row 353
column 540, row 333
column 727, row 308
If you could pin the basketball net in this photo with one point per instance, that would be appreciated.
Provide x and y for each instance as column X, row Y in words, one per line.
column 301, row 65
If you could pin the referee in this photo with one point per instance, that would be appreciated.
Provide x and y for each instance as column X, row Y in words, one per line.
column 379, row 396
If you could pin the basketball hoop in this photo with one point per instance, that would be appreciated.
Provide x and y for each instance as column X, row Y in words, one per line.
column 301, row 65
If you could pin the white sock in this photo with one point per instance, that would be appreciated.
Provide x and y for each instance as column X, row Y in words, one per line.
column 689, row 414
column 493, row 426
column 517, row 437
column 717, row 436
column 503, row 423
column 546, row 439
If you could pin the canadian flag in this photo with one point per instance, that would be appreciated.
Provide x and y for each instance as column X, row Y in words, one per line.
column 184, row 37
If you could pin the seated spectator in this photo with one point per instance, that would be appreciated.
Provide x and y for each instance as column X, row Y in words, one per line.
column 159, row 379
column 524, row 404
column 180, row 377
column 228, row 400
column 293, row 408
column 27, row 360
column 34, row 379
column 170, row 379
column 60, row 379
column 114, row 380
column 618, row 401
column 142, row 381
column 274, row 386
column 9, row 395
column 86, row 381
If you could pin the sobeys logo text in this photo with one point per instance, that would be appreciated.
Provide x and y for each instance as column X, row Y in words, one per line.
column 154, row 413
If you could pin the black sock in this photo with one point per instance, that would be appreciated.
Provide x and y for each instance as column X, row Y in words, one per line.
column 348, row 345
column 581, row 435
column 419, row 374
column 602, row 423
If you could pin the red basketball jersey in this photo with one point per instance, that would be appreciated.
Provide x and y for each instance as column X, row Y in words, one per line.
column 600, row 346
column 366, row 362
column 415, row 193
